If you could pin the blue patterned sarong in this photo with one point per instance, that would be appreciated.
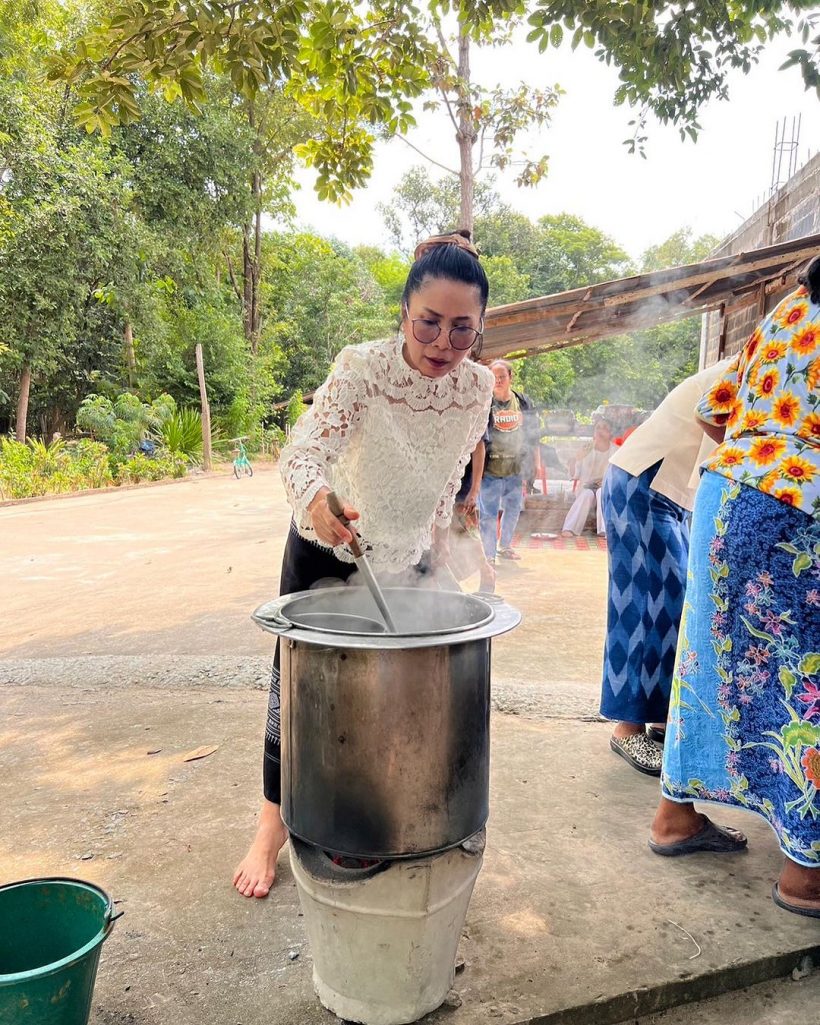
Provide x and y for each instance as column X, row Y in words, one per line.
column 648, row 541
column 744, row 719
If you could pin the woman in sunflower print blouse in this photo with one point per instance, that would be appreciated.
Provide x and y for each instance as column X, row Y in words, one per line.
column 744, row 719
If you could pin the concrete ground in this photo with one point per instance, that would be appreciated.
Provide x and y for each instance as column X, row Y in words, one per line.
column 129, row 647
column 783, row 1002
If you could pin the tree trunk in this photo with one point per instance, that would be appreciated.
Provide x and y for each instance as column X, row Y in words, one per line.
column 256, row 309
column 252, row 251
column 21, row 423
column 247, row 281
column 466, row 134
column 206, row 409
column 130, row 358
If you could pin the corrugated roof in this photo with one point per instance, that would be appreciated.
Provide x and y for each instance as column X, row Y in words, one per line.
column 644, row 300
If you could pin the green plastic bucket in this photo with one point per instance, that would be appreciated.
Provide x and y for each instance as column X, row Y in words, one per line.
column 51, row 932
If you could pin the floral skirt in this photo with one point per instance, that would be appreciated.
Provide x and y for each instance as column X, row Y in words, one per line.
column 744, row 716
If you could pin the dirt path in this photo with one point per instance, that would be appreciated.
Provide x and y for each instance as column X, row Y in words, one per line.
column 175, row 572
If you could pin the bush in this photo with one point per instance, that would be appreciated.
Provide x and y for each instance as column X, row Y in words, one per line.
column 182, row 434
column 123, row 423
column 295, row 408
column 140, row 468
column 267, row 440
column 40, row 469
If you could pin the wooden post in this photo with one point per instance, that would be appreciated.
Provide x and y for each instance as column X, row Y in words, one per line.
column 130, row 358
column 206, row 410
column 21, row 423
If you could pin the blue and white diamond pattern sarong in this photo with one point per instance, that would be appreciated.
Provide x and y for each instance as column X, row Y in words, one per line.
column 648, row 541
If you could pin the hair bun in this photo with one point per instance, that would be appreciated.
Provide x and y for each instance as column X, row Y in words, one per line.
column 460, row 238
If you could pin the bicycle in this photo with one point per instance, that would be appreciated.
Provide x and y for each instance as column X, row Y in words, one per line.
column 241, row 463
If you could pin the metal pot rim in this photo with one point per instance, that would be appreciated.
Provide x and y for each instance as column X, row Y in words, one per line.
column 500, row 619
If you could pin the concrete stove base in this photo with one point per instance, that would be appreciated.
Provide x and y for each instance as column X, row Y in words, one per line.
column 384, row 939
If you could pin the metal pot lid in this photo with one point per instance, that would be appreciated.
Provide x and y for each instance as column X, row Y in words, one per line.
column 347, row 617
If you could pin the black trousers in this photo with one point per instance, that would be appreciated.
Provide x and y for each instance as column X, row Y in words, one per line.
column 304, row 565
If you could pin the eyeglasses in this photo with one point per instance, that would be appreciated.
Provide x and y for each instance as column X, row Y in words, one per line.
column 460, row 338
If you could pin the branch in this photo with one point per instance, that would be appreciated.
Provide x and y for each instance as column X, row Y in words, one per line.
column 449, row 170
column 443, row 41
column 481, row 150
column 232, row 276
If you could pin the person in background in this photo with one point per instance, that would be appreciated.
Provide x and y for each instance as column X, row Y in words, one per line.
column 647, row 497
column 390, row 431
column 588, row 478
column 512, row 441
column 744, row 717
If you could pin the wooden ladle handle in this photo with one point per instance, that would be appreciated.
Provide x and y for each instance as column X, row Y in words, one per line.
column 336, row 508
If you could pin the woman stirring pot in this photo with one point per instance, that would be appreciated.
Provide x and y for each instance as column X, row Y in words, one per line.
column 391, row 431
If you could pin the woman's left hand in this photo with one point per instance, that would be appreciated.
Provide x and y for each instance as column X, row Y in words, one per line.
column 471, row 502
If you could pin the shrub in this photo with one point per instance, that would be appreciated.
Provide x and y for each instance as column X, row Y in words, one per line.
column 140, row 467
column 182, row 434
column 296, row 407
column 123, row 423
column 268, row 440
column 37, row 468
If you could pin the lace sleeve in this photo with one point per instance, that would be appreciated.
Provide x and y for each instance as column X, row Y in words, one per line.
column 444, row 509
column 319, row 435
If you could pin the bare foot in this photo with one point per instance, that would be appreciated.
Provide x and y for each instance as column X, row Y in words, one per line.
column 256, row 872
column 799, row 885
column 675, row 822
column 627, row 729
column 567, row 533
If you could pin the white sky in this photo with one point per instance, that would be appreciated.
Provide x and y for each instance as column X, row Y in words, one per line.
column 711, row 185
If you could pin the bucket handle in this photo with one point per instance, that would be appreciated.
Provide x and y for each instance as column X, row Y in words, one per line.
column 110, row 920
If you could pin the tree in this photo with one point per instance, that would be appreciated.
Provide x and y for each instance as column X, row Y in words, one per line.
column 322, row 297
column 423, row 206
column 673, row 58
column 352, row 67
column 487, row 120
column 359, row 66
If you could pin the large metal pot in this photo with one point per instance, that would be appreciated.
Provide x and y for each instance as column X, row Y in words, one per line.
column 385, row 737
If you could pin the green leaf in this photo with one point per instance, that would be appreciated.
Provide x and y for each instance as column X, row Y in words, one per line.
column 810, row 664
column 803, row 562
column 788, row 679
column 755, row 632
column 800, row 734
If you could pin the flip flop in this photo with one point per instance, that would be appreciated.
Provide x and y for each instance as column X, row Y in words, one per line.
column 795, row 909
column 712, row 838
column 640, row 752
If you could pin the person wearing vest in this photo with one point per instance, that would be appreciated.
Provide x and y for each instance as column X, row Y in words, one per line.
column 511, row 445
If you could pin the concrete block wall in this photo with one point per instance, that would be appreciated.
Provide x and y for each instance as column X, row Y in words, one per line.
column 793, row 212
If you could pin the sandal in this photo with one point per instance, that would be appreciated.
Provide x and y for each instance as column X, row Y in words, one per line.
column 796, row 909
column 712, row 838
column 508, row 553
column 640, row 752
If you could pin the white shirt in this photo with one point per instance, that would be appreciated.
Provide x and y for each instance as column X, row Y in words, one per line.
column 592, row 467
column 673, row 436
column 393, row 444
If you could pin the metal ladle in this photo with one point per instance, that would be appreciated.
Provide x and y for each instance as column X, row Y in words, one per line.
column 362, row 564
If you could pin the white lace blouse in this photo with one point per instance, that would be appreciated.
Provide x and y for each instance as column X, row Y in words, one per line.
column 392, row 443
